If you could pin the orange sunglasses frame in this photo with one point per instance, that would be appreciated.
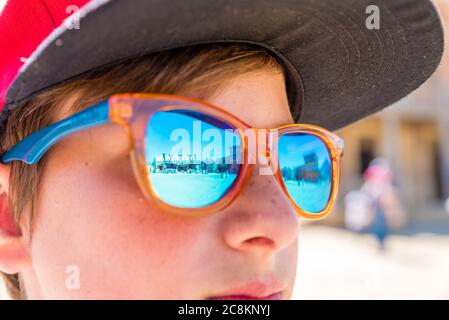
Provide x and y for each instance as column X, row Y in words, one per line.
column 133, row 111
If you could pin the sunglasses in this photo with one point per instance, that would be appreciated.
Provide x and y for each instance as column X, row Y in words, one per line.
column 194, row 158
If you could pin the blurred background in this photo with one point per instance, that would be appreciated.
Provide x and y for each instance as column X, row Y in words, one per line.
column 400, row 251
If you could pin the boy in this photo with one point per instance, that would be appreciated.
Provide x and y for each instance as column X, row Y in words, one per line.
column 98, row 198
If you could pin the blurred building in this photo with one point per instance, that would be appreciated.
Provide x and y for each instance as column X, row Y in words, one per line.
column 414, row 136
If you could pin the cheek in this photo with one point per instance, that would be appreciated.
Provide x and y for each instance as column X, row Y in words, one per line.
column 94, row 217
column 288, row 265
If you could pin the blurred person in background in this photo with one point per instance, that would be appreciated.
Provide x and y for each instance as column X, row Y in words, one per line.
column 375, row 208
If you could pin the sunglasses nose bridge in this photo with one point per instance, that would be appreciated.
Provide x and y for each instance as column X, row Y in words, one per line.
column 262, row 143
column 259, row 143
column 255, row 144
column 266, row 139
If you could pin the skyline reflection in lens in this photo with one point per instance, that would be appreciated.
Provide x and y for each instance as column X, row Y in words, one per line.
column 192, row 159
column 305, row 166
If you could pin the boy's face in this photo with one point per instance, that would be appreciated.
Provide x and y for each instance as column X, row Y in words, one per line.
column 92, row 221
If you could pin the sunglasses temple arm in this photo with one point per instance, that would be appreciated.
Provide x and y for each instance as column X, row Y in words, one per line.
column 33, row 147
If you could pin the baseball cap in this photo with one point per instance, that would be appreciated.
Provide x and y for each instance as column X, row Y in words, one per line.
column 344, row 59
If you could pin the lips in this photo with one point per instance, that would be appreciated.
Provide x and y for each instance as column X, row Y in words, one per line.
column 252, row 291
column 274, row 296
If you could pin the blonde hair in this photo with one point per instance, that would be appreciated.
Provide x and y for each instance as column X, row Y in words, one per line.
column 203, row 69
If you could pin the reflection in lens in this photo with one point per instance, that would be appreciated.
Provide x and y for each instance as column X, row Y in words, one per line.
column 305, row 165
column 192, row 158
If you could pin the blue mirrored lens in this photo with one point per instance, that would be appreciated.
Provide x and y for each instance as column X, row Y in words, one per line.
column 192, row 158
column 305, row 165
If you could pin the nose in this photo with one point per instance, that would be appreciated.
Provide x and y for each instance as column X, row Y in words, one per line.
column 261, row 218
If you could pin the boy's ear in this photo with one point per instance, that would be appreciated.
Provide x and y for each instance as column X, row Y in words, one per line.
column 14, row 253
